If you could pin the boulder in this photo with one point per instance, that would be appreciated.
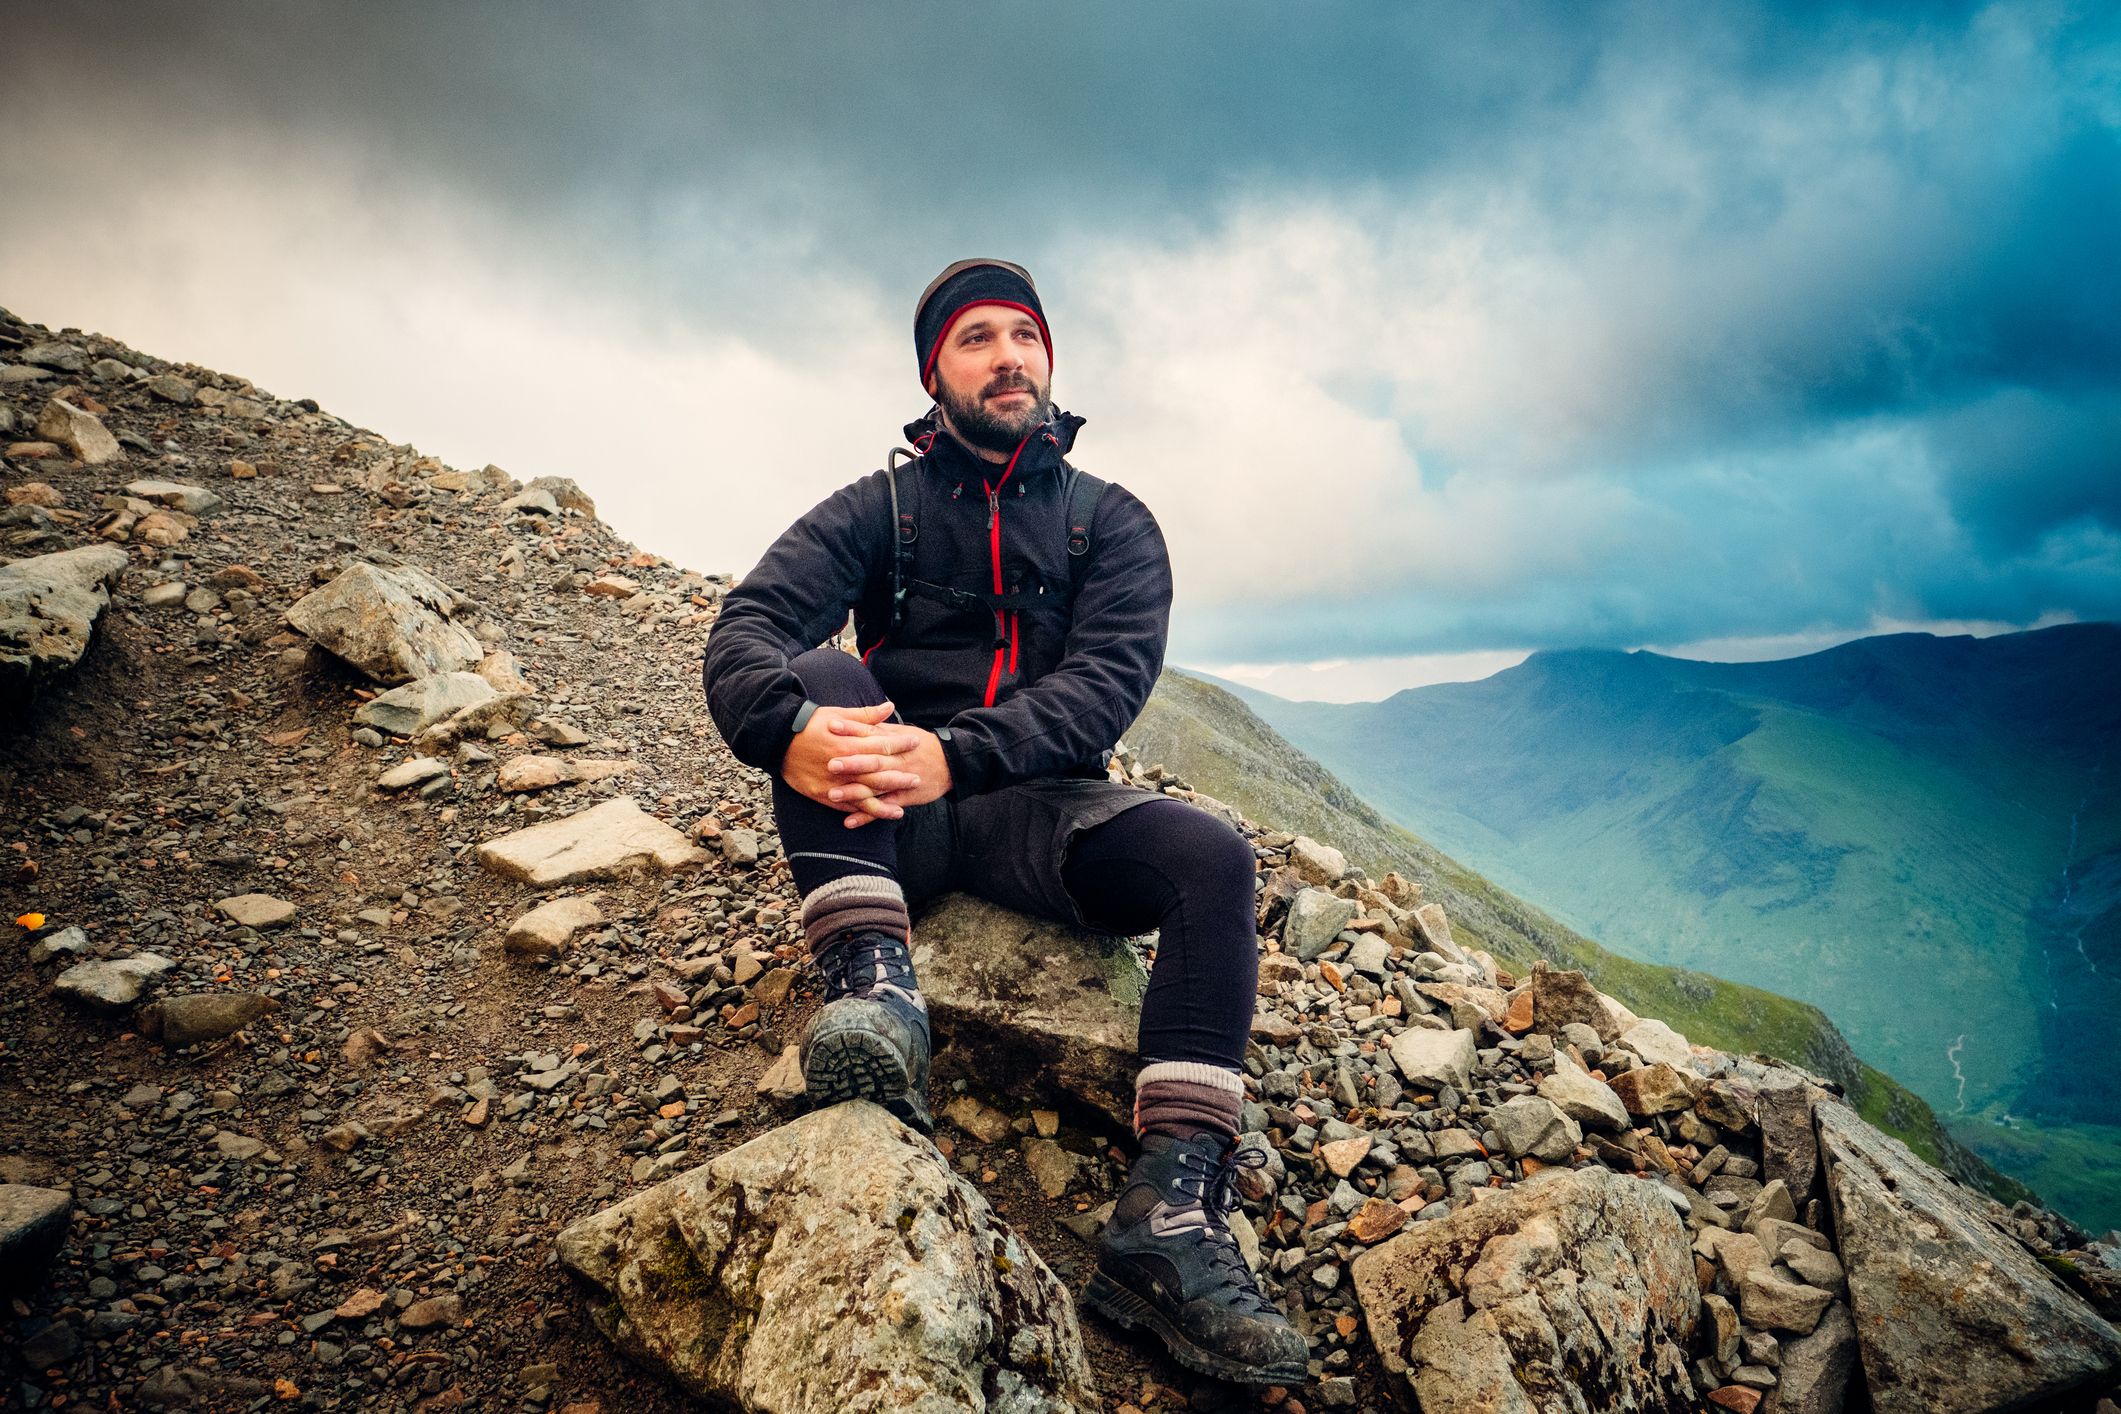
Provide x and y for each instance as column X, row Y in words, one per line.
column 546, row 930
column 193, row 500
column 1567, row 998
column 1534, row 1127
column 112, row 985
column 1431, row 1060
column 1583, row 1097
column 49, row 605
column 1032, row 1007
column 59, row 357
column 391, row 623
column 1653, row 1090
column 1813, row 1377
column 564, row 494
column 1315, row 919
column 1657, row 1043
column 1435, row 930
column 1574, row 1290
column 77, row 431
column 423, row 702
column 1789, row 1145
column 33, row 1224
column 1951, row 1313
column 606, row 841
column 199, row 1017
column 833, row 1264
column 1317, row 863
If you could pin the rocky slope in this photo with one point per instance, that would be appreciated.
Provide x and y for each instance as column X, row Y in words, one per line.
column 403, row 972
column 1214, row 739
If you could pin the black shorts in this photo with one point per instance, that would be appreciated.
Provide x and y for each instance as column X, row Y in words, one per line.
column 1007, row 846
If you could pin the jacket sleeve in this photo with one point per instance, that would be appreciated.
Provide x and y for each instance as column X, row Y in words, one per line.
column 1113, row 653
column 796, row 598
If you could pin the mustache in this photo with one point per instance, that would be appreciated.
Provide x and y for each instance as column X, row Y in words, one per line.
column 1009, row 385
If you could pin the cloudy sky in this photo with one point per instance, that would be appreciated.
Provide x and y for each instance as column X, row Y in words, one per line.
column 1432, row 334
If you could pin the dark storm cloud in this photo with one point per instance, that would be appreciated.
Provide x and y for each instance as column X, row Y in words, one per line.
column 1693, row 321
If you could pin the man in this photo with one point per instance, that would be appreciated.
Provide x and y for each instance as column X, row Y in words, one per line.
column 1011, row 618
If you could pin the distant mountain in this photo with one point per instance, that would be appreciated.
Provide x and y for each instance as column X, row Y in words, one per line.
column 1218, row 745
column 1920, row 835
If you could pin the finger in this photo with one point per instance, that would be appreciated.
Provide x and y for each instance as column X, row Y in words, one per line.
column 849, row 726
column 882, row 781
column 875, row 712
column 877, row 783
column 881, row 758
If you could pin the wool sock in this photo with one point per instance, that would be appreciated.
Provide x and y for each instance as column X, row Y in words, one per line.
column 1186, row 1099
column 858, row 902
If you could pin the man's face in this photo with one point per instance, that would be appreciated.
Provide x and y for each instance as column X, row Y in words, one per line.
column 992, row 376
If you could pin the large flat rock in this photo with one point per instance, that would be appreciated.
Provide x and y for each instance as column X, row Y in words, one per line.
column 1031, row 1007
column 1574, row 1290
column 833, row 1264
column 390, row 622
column 606, row 841
column 49, row 605
column 1952, row 1314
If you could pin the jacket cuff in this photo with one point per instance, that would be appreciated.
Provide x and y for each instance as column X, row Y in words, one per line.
column 803, row 714
column 964, row 771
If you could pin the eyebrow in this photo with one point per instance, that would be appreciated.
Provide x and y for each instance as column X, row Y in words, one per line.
column 1016, row 319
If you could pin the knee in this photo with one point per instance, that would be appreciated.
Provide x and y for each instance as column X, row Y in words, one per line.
column 831, row 678
column 1212, row 851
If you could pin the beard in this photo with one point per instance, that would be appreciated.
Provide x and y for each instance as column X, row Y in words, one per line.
column 995, row 427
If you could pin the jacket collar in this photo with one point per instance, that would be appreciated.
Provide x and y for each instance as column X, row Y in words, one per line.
column 950, row 456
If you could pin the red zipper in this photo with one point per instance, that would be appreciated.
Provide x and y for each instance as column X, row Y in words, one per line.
column 994, row 551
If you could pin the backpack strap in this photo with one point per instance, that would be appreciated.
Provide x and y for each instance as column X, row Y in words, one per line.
column 1081, row 492
column 905, row 529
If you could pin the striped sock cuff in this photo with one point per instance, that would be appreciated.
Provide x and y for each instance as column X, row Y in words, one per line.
column 864, row 901
column 1185, row 1099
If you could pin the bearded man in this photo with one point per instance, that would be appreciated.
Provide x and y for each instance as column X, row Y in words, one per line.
column 1010, row 615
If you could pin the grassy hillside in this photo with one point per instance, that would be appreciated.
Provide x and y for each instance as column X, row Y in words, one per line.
column 1219, row 745
column 1918, row 834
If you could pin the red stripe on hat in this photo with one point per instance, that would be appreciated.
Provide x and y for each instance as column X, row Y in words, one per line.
column 1045, row 335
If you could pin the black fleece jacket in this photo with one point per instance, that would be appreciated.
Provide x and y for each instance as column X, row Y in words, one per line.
column 1015, row 695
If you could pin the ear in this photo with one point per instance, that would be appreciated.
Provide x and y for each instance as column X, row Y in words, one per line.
column 928, row 384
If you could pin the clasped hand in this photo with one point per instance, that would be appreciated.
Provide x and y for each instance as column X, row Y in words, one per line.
column 857, row 762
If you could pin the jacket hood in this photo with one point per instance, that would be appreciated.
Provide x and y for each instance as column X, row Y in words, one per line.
column 926, row 435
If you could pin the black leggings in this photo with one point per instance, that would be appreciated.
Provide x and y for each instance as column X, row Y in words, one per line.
column 1163, row 864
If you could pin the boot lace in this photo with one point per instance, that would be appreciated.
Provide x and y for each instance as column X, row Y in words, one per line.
column 860, row 964
column 1213, row 1184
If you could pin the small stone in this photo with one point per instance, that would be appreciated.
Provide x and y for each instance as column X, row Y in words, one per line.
column 1052, row 1168
column 110, row 985
column 1342, row 1155
column 418, row 771
column 1375, row 1221
column 256, row 910
column 548, row 929
column 444, row 1310
column 982, row 1121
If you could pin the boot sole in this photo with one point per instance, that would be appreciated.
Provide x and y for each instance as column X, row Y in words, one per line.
column 861, row 1065
column 1121, row 1306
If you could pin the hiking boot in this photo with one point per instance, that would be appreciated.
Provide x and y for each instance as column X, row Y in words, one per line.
column 1167, row 1261
column 870, row 1039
